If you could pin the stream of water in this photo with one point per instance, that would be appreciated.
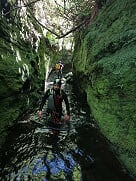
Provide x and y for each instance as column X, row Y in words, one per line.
column 82, row 154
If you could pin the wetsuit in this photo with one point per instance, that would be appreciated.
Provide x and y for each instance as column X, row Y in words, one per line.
column 55, row 99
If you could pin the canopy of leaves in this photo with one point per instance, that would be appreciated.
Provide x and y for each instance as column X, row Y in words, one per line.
column 59, row 17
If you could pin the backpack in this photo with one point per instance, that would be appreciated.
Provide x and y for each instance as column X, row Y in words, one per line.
column 57, row 66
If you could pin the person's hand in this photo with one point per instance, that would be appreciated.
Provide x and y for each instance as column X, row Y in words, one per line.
column 66, row 118
column 40, row 114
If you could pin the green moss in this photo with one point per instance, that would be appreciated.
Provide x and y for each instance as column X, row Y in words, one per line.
column 129, row 160
column 22, row 69
column 106, row 52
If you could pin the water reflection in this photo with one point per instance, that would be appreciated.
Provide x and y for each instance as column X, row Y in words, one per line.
column 33, row 156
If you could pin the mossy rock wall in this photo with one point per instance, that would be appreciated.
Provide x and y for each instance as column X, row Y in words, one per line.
column 27, row 52
column 22, row 72
column 105, row 58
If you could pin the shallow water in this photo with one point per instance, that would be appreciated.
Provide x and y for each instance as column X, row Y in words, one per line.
column 32, row 152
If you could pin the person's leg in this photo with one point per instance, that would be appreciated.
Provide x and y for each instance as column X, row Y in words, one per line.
column 56, row 122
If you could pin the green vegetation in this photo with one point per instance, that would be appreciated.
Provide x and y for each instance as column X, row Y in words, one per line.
column 104, row 58
column 105, row 54
column 22, row 72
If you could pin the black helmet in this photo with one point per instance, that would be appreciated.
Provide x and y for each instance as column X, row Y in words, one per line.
column 57, row 82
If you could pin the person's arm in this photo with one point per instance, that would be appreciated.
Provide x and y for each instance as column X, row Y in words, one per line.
column 43, row 100
column 61, row 66
column 67, row 116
